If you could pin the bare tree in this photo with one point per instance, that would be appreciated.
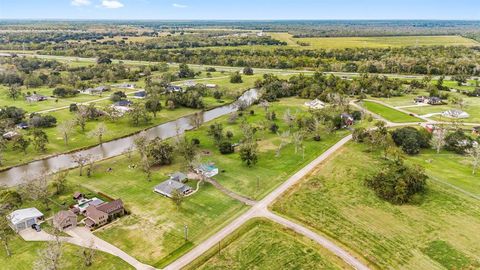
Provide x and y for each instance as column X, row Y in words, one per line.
column 284, row 140
column 65, row 129
column 81, row 117
column 88, row 254
column 99, row 132
column 474, row 154
column 49, row 258
column 438, row 139
column 36, row 189
column 288, row 118
column 60, row 181
column 196, row 119
column 297, row 139
column 141, row 143
column 81, row 161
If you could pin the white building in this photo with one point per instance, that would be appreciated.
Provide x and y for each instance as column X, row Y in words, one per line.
column 315, row 104
column 455, row 114
column 24, row 218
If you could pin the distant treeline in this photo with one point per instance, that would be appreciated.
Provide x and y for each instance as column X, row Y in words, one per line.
column 434, row 60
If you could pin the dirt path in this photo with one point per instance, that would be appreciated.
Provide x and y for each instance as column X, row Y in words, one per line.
column 230, row 193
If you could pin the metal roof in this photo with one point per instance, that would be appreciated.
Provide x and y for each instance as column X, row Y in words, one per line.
column 21, row 215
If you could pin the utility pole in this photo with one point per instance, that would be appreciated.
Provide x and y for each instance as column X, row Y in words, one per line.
column 185, row 230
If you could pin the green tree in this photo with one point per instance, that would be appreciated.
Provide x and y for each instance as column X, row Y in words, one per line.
column 236, row 78
column 138, row 114
column 14, row 91
column 153, row 105
column 39, row 140
column 177, row 198
column 20, row 143
column 187, row 149
column 248, row 153
column 160, row 152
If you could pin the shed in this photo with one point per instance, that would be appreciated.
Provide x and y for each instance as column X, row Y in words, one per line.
column 179, row 177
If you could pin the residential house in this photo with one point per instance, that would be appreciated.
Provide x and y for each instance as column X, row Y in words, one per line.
column 113, row 209
column 179, row 177
column 167, row 188
column 95, row 91
column 435, row 101
column 315, row 104
column 24, row 218
column 211, row 85
column 124, row 85
column 123, row 103
column 174, row 89
column 420, row 99
column 347, row 119
column 95, row 217
column 207, row 170
column 140, row 94
column 35, row 98
column 458, row 114
column 10, row 135
column 65, row 220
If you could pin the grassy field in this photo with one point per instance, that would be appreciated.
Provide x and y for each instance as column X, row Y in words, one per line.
column 153, row 233
column 450, row 168
column 438, row 231
column 262, row 244
column 373, row 42
column 389, row 113
column 24, row 255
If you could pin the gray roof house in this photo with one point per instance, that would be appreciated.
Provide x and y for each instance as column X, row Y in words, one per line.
column 167, row 187
column 179, row 177
column 35, row 98
column 24, row 218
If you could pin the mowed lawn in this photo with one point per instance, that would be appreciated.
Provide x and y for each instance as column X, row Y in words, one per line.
column 390, row 114
column 438, row 231
column 154, row 231
column 262, row 244
column 24, row 254
column 450, row 168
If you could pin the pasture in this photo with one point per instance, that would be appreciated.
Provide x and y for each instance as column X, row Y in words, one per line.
column 389, row 114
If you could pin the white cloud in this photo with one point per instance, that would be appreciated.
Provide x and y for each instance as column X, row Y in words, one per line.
column 179, row 6
column 111, row 4
column 79, row 3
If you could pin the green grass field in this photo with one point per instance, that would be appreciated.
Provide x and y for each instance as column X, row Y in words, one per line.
column 389, row 113
column 373, row 42
column 262, row 244
column 24, row 255
column 153, row 233
column 438, row 231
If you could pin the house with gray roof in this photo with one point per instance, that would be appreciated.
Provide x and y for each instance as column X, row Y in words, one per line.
column 167, row 188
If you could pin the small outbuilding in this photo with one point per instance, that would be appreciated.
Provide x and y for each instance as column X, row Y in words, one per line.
column 179, row 177
column 24, row 218
column 207, row 170
column 315, row 104
column 64, row 220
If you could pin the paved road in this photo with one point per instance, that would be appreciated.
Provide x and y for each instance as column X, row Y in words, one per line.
column 260, row 210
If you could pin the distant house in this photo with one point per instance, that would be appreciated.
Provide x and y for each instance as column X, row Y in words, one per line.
column 123, row 103
column 347, row 119
column 207, row 170
column 179, row 177
column 435, row 101
column 10, row 135
column 95, row 91
column 167, row 188
column 420, row 99
column 35, row 98
column 315, row 104
column 211, row 85
column 95, row 217
column 124, row 85
column 113, row 209
column 455, row 114
column 24, row 218
column 65, row 220
column 189, row 83
column 140, row 94
column 174, row 89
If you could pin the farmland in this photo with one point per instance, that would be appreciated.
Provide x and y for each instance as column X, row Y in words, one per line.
column 335, row 202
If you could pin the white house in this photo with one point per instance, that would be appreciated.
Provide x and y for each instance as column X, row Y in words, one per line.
column 211, row 85
column 190, row 84
column 124, row 85
column 315, row 104
column 24, row 218
column 455, row 114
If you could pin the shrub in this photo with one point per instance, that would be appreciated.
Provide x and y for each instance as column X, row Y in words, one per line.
column 226, row 147
column 64, row 92
column 217, row 94
column 196, row 141
column 236, row 78
column 73, row 107
column 359, row 134
column 248, row 71
column 357, row 115
column 43, row 121
column 410, row 140
column 273, row 128
column 458, row 142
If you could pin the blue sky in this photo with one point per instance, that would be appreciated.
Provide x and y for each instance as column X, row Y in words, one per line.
column 241, row 9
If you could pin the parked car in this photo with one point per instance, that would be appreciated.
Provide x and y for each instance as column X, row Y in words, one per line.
column 36, row 227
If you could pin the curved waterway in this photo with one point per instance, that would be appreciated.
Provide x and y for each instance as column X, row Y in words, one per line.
column 19, row 174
